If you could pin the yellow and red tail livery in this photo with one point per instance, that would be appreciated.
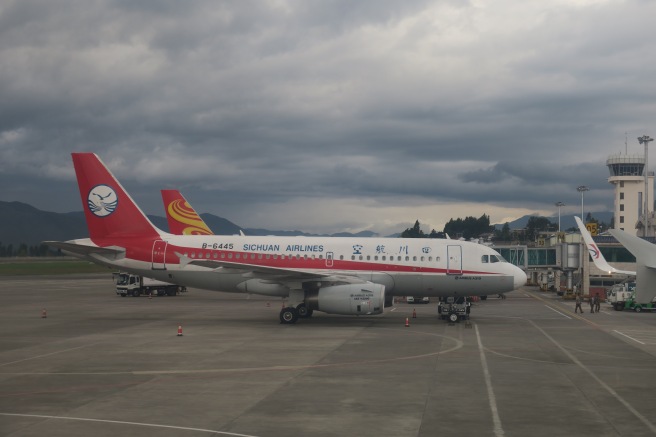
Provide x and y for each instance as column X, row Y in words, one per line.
column 182, row 218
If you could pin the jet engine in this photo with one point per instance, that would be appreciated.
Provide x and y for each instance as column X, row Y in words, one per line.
column 349, row 299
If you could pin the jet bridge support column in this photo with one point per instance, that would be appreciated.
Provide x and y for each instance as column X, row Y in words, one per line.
column 569, row 280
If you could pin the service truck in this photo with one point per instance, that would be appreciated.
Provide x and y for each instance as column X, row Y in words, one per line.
column 619, row 294
column 453, row 309
column 128, row 284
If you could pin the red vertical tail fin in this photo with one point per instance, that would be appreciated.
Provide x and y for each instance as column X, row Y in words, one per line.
column 108, row 208
column 182, row 218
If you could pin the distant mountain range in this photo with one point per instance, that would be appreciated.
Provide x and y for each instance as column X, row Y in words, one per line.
column 23, row 223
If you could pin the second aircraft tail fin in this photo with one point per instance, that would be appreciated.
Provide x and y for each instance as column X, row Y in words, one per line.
column 182, row 218
column 595, row 253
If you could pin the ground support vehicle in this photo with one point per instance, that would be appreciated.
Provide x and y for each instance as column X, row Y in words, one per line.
column 631, row 304
column 412, row 299
column 453, row 309
column 135, row 285
column 620, row 294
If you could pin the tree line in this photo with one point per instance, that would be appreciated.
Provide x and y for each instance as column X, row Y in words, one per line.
column 24, row 250
column 472, row 227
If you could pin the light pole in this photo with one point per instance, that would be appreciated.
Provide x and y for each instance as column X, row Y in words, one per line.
column 584, row 253
column 582, row 189
column 645, row 210
column 559, row 205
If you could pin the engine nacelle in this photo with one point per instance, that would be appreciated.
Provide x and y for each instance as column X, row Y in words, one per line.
column 349, row 299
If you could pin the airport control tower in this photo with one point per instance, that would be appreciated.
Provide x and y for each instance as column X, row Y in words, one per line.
column 627, row 174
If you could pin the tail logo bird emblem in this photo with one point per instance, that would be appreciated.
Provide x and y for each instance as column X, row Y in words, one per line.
column 102, row 200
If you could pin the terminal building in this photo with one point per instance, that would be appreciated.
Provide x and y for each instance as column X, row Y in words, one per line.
column 560, row 256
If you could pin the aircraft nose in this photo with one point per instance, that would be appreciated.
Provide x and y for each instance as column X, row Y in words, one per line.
column 519, row 278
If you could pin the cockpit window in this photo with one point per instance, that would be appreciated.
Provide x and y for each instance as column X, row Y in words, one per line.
column 494, row 259
column 484, row 259
column 499, row 259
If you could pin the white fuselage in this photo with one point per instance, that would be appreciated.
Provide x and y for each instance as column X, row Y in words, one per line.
column 262, row 265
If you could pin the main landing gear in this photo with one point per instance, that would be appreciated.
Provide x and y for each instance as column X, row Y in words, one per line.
column 289, row 315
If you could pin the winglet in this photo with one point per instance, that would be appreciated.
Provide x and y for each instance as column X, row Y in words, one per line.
column 595, row 253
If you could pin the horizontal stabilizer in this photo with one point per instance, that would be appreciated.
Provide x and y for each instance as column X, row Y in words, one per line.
column 77, row 248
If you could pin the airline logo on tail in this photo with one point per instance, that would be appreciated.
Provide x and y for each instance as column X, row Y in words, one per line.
column 594, row 251
column 102, row 200
column 182, row 218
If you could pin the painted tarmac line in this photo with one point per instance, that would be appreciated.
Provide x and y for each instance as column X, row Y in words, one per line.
column 556, row 311
column 47, row 355
column 627, row 336
column 458, row 344
column 120, row 422
column 498, row 429
column 606, row 387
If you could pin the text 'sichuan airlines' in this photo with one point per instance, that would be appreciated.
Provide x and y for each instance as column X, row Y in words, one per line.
column 352, row 276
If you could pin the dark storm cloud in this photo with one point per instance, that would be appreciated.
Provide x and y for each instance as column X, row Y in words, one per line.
column 264, row 106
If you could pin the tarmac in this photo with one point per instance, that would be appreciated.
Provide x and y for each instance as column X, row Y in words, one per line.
column 101, row 365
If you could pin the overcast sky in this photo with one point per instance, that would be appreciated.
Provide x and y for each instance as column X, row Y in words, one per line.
column 327, row 116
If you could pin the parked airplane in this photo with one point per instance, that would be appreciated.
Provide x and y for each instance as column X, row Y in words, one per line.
column 595, row 253
column 645, row 253
column 182, row 218
column 339, row 275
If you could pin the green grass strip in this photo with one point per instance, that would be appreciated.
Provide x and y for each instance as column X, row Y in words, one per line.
column 22, row 268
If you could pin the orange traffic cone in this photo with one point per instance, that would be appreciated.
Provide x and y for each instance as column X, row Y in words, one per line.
column 179, row 330
column 407, row 322
column 44, row 314
column 414, row 314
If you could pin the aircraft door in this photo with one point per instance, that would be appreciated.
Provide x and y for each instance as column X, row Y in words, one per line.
column 329, row 259
column 159, row 255
column 454, row 260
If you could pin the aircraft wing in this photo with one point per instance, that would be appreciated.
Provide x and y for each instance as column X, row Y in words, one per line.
column 644, row 251
column 595, row 253
column 267, row 273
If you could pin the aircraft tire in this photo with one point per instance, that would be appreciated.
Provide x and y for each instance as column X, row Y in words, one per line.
column 288, row 315
column 303, row 311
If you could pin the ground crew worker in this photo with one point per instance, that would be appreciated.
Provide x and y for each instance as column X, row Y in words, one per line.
column 597, row 303
column 578, row 304
column 592, row 304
